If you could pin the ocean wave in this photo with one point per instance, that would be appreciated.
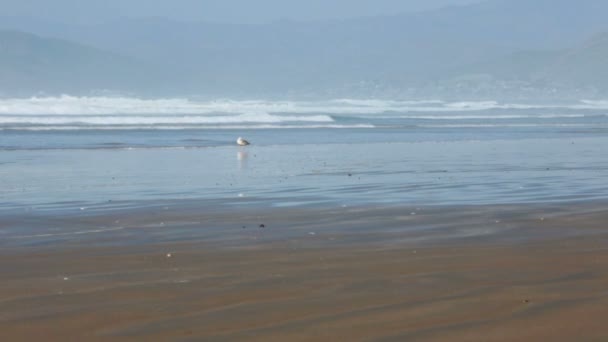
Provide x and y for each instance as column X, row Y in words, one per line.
column 579, row 125
column 602, row 104
column 113, row 120
column 183, row 127
column 486, row 117
column 384, row 103
column 70, row 112
column 72, row 105
column 69, row 105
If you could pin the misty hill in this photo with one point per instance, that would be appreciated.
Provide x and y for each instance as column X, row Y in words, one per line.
column 584, row 65
column 32, row 64
column 579, row 69
column 368, row 56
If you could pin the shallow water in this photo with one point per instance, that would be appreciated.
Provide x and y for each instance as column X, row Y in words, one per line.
column 424, row 173
column 93, row 153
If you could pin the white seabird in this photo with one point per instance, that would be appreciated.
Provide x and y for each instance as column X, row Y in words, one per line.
column 242, row 142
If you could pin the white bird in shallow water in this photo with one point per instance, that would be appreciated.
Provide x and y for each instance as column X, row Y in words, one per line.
column 242, row 142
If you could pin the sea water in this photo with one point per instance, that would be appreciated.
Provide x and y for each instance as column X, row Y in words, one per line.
column 76, row 153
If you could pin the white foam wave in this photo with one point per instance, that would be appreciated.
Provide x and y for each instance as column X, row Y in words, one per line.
column 602, row 104
column 189, row 127
column 69, row 105
column 509, row 125
column 477, row 105
column 157, row 120
column 135, row 112
column 482, row 117
column 384, row 103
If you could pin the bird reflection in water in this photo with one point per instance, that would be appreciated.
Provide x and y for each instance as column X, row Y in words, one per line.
column 242, row 158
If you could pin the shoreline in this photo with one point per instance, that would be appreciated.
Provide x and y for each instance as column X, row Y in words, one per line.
column 223, row 224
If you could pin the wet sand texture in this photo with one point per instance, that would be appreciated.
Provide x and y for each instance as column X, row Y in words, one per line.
column 551, row 287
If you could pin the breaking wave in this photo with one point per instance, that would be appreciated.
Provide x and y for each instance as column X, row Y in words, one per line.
column 186, row 127
column 72, row 112
column 115, row 120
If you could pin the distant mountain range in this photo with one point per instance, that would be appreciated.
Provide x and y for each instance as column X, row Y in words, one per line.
column 584, row 65
column 499, row 46
column 578, row 71
column 30, row 64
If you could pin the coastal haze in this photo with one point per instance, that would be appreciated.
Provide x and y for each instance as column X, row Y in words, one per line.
column 494, row 49
column 418, row 170
column 226, row 11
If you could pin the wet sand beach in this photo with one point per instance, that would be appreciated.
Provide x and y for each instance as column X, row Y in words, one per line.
column 476, row 273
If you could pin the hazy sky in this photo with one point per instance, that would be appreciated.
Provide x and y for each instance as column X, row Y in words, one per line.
column 237, row 11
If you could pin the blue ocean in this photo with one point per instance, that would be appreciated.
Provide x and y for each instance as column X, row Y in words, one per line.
column 94, row 153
